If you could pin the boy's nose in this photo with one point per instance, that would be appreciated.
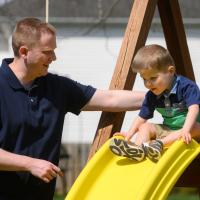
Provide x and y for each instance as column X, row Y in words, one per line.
column 148, row 83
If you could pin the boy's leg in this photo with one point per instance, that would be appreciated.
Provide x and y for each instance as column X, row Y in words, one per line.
column 171, row 137
column 134, row 151
column 175, row 135
column 154, row 148
column 165, row 137
column 195, row 133
column 146, row 132
column 127, row 149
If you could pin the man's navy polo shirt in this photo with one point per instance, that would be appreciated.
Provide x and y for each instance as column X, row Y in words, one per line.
column 31, row 123
column 183, row 94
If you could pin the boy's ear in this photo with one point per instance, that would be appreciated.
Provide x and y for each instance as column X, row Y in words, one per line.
column 171, row 69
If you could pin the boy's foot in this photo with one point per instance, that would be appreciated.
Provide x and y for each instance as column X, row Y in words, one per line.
column 153, row 149
column 127, row 149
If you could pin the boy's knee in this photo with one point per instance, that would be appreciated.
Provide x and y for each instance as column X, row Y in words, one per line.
column 145, row 126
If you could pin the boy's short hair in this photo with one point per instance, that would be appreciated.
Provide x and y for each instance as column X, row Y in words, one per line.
column 152, row 56
column 28, row 32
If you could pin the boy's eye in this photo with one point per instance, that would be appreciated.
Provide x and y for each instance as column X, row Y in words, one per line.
column 153, row 78
column 150, row 79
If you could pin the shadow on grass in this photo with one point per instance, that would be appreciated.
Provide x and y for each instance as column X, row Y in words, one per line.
column 176, row 194
column 184, row 194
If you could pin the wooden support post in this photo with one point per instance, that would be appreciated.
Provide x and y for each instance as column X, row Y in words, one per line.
column 191, row 176
column 175, row 36
column 123, row 78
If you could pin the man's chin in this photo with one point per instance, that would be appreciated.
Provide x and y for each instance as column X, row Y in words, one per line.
column 43, row 74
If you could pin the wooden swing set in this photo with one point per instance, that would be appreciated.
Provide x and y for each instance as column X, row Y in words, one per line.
column 123, row 78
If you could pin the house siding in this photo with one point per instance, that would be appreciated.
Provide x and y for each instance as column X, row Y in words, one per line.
column 91, row 60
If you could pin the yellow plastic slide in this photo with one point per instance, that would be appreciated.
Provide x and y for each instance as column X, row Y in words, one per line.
column 110, row 177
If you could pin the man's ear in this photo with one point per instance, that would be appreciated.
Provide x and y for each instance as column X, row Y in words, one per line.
column 171, row 69
column 23, row 51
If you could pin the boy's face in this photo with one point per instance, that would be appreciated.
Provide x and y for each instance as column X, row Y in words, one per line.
column 158, row 81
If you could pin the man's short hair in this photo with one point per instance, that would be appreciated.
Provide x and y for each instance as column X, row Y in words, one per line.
column 28, row 32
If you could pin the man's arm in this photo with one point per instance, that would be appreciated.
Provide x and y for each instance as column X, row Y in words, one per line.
column 115, row 101
column 39, row 168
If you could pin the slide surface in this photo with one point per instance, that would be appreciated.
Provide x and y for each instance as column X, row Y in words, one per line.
column 107, row 176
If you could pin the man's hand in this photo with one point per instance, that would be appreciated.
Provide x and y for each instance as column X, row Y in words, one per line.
column 44, row 170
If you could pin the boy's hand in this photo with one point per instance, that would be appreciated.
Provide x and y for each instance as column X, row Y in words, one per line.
column 124, row 134
column 118, row 133
column 127, row 135
column 186, row 136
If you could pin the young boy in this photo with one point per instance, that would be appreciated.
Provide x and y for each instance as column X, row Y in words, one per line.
column 175, row 97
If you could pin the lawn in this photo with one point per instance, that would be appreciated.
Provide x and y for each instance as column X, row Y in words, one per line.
column 176, row 194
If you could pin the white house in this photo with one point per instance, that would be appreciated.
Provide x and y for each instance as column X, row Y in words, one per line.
column 87, row 52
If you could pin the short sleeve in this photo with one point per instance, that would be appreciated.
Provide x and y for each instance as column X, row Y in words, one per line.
column 191, row 93
column 76, row 95
column 67, row 94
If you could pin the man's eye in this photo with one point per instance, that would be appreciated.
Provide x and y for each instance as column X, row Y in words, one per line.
column 47, row 52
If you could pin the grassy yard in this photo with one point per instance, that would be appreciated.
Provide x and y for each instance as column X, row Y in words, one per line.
column 171, row 197
column 58, row 197
column 184, row 194
column 183, row 197
column 176, row 194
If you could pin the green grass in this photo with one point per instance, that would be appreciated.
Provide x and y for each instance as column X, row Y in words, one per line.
column 184, row 194
column 56, row 197
column 171, row 197
column 176, row 194
column 183, row 197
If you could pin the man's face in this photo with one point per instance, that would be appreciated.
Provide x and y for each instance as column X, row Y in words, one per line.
column 41, row 55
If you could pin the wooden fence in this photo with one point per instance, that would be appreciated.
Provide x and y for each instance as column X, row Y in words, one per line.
column 72, row 160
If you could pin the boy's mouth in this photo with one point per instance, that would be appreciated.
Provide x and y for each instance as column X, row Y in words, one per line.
column 153, row 89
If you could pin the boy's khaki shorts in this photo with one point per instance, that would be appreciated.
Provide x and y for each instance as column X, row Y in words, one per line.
column 162, row 131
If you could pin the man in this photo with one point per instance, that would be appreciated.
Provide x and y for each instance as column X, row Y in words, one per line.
column 33, row 104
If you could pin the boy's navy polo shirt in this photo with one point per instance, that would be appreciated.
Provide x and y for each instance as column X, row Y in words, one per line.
column 183, row 94
column 31, row 123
